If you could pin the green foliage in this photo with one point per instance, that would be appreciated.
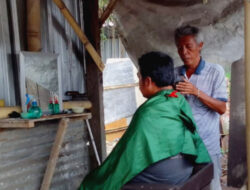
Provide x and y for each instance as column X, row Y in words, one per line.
column 228, row 75
column 103, row 3
column 103, row 35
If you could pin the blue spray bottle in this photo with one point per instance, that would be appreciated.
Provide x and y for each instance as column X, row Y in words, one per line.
column 35, row 110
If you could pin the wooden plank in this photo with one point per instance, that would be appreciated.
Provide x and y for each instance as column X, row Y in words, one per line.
column 247, row 83
column 29, row 123
column 115, row 133
column 94, row 79
column 66, row 105
column 70, row 104
column 7, row 110
column 16, row 123
column 54, row 154
column 121, row 86
column 60, row 116
column 116, row 124
column 237, row 159
column 95, row 56
column 33, row 34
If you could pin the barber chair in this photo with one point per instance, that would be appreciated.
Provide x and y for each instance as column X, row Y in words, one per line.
column 200, row 180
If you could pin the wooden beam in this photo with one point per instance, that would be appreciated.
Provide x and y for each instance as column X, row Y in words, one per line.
column 109, row 9
column 205, row 1
column 54, row 154
column 29, row 123
column 33, row 25
column 121, row 86
column 247, row 82
column 91, row 50
column 94, row 79
column 5, row 111
column 70, row 104
column 16, row 124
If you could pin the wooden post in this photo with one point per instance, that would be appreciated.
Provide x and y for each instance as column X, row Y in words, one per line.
column 54, row 154
column 95, row 56
column 33, row 25
column 247, row 81
column 107, row 11
column 94, row 79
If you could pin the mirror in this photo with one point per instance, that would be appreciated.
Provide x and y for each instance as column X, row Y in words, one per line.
column 40, row 76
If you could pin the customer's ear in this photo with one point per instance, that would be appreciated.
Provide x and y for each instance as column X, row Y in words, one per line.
column 148, row 81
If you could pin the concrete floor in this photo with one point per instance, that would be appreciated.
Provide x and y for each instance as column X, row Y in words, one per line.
column 229, row 188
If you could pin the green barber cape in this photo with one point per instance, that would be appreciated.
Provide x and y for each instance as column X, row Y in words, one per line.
column 161, row 127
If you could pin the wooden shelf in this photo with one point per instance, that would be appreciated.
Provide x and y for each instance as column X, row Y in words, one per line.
column 30, row 123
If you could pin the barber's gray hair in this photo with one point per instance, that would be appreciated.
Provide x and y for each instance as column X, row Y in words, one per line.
column 188, row 30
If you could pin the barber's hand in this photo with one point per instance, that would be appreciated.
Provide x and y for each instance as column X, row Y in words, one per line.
column 186, row 87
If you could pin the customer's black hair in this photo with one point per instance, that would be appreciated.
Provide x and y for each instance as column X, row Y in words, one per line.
column 159, row 66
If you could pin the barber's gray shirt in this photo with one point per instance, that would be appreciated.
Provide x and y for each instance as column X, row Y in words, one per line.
column 210, row 79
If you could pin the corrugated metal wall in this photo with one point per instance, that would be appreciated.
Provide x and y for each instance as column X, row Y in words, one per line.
column 7, row 91
column 59, row 37
column 24, row 154
column 112, row 48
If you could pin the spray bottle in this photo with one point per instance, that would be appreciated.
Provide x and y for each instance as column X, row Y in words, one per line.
column 35, row 110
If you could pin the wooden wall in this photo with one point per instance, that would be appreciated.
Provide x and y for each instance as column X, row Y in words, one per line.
column 94, row 77
column 237, row 159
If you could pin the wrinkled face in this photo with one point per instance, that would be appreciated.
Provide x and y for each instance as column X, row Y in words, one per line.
column 189, row 50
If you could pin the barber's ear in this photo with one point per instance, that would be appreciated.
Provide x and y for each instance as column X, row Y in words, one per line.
column 201, row 45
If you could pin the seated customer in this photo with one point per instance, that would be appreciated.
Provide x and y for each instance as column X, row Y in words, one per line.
column 160, row 137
